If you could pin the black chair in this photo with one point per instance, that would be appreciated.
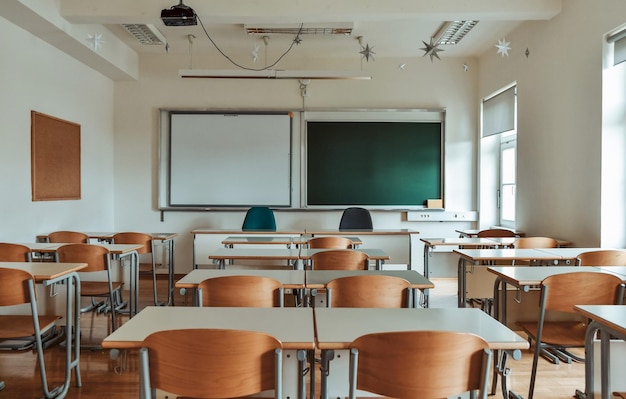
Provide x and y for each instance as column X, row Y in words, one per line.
column 259, row 218
column 356, row 219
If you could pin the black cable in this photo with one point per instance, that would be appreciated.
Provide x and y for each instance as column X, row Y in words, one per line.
column 246, row 68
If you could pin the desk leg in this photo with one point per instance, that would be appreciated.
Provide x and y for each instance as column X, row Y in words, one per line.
column 170, row 277
column 427, row 254
column 461, row 283
column 326, row 356
column 311, row 358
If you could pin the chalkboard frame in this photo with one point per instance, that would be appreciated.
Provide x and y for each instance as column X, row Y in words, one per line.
column 373, row 116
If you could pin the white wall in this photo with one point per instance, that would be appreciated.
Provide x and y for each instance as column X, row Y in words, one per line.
column 559, row 118
column 36, row 76
column 440, row 84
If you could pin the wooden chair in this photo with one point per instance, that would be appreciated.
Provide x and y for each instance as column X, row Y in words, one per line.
column 419, row 364
column 495, row 233
column 17, row 287
column 340, row 259
column 559, row 293
column 536, row 242
column 210, row 363
column 369, row 291
column 98, row 263
column 148, row 248
column 330, row 242
column 14, row 253
column 241, row 291
column 605, row 257
column 68, row 237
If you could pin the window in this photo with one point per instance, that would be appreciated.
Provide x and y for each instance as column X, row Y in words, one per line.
column 498, row 148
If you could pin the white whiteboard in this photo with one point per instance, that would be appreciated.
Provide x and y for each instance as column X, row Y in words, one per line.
column 219, row 159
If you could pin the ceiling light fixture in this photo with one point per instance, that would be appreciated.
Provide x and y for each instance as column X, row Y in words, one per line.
column 145, row 34
column 272, row 74
column 451, row 32
column 342, row 28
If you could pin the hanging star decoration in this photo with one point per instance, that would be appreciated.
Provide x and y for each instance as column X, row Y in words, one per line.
column 297, row 40
column 367, row 52
column 465, row 67
column 402, row 67
column 95, row 40
column 527, row 52
column 503, row 47
column 431, row 49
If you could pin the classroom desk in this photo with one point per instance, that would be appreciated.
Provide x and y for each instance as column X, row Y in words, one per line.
column 49, row 274
column 336, row 328
column 223, row 254
column 570, row 254
column 318, row 279
column 373, row 232
column 610, row 320
column 117, row 252
column 477, row 258
column 231, row 241
column 292, row 326
column 166, row 239
column 290, row 279
column 377, row 255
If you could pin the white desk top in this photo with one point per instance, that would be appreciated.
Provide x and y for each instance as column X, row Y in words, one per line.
column 263, row 239
column 117, row 249
column 337, row 327
column 322, row 231
column 534, row 275
column 45, row 270
column 568, row 253
column 292, row 326
column 289, row 278
column 246, row 232
column 372, row 253
column 479, row 255
column 612, row 316
column 455, row 241
column 255, row 253
column 319, row 278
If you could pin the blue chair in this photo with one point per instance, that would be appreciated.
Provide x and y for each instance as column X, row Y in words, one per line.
column 259, row 218
column 356, row 219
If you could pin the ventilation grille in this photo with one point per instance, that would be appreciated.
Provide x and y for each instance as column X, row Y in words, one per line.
column 344, row 29
column 145, row 34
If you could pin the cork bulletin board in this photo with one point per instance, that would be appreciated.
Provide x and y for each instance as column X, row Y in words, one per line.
column 55, row 158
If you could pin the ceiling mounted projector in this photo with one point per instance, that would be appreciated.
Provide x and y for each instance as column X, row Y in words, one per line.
column 179, row 15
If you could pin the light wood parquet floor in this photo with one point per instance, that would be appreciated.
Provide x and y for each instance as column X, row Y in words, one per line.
column 104, row 377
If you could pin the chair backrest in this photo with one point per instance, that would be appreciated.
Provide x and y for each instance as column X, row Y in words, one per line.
column 241, row 291
column 356, row 219
column 259, row 218
column 368, row 291
column 68, row 237
column 96, row 256
column 606, row 257
column 560, row 292
column 330, row 242
column 420, row 364
column 135, row 238
column 211, row 363
column 535, row 242
column 14, row 253
column 14, row 286
column 496, row 233
column 339, row 259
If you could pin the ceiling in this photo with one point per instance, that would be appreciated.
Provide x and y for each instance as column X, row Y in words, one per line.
column 391, row 28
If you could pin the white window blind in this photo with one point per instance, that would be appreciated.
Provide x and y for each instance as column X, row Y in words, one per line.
column 619, row 50
column 499, row 112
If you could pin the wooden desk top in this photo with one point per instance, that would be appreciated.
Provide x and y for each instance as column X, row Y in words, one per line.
column 289, row 278
column 533, row 275
column 611, row 316
column 45, row 270
column 336, row 328
column 255, row 253
column 292, row 326
column 320, row 278
column 479, row 255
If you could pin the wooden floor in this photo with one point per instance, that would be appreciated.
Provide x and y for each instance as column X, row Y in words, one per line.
column 104, row 377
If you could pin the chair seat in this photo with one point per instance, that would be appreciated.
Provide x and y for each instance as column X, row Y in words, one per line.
column 98, row 288
column 14, row 326
column 562, row 334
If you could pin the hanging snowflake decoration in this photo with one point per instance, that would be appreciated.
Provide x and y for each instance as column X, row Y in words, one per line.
column 367, row 52
column 503, row 47
column 431, row 49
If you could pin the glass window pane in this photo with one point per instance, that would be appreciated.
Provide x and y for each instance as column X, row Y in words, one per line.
column 508, row 165
column 507, row 202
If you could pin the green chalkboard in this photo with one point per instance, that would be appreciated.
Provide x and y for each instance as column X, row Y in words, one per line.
column 396, row 164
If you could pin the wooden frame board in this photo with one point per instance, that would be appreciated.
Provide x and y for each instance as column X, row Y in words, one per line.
column 55, row 158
